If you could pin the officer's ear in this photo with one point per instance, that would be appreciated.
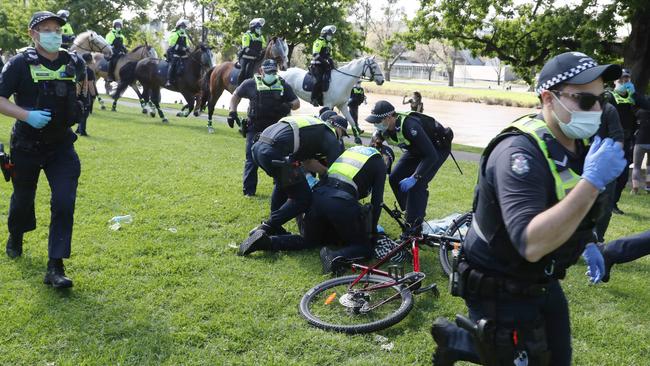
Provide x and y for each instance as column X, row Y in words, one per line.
column 546, row 98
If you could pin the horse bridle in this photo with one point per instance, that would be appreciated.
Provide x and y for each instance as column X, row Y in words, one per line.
column 200, row 60
column 366, row 66
column 74, row 43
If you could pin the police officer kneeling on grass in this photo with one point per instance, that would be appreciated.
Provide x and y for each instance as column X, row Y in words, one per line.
column 43, row 81
column 535, row 206
column 271, row 98
column 427, row 145
column 283, row 150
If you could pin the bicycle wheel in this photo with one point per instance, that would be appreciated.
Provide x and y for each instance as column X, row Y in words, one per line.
column 458, row 229
column 331, row 306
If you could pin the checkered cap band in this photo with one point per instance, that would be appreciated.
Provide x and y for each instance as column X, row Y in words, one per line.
column 559, row 78
column 383, row 115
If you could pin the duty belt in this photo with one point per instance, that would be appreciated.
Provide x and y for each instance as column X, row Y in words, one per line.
column 478, row 283
column 341, row 185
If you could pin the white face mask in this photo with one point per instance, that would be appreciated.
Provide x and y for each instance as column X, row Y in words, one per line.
column 258, row 30
column 582, row 124
column 328, row 37
column 269, row 78
column 382, row 126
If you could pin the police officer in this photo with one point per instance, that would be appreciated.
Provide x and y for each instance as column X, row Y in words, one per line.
column 335, row 215
column 601, row 258
column 322, row 63
column 68, row 33
column 427, row 145
column 357, row 96
column 282, row 151
column 622, row 97
column 117, row 40
column 534, row 211
column 42, row 80
column 253, row 44
column 271, row 98
column 179, row 46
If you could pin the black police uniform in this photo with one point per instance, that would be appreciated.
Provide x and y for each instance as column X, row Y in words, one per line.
column 291, row 194
column 424, row 154
column 267, row 104
column 625, row 109
column 625, row 250
column 50, row 148
column 88, row 101
column 525, row 299
column 357, row 96
column 336, row 216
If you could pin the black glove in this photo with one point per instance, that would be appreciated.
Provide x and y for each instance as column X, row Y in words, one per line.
column 233, row 118
column 285, row 109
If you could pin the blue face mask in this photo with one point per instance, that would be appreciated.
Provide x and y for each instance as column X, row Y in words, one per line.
column 50, row 41
column 382, row 127
column 269, row 78
column 582, row 125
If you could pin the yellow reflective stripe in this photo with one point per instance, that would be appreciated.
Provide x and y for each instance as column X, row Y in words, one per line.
column 620, row 100
column 298, row 122
column 42, row 73
column 566, row 180
column 348, row 165
column 276, row 86
column 401, row 139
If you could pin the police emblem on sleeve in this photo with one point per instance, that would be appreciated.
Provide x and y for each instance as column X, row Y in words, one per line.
column 519, row 163
column 414, row 132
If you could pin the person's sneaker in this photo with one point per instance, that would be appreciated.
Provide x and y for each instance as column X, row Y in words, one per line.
column 259, row 240
column 331, row 263
column 618, row 211
column 443, row 355
column 608, row 264
column 55, row 275
column 14, row 247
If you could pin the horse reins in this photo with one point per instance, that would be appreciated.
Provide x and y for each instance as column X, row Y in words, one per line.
column 366, row 66
column 74, row 43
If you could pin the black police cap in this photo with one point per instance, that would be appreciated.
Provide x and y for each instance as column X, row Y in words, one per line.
column 574, row 68
column 381, row 110
column 339, row 121
column 41, row 16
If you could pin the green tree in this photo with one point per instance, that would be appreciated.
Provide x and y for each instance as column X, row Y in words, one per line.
column 299, row 21
column 525, row 35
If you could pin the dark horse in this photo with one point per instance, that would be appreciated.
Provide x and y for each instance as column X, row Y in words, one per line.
column 219, row 79
column 152, row 75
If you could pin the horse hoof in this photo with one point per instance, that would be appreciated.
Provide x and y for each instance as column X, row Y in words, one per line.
column 113, row 110
column 103, row 108
column 179, row 114
column 165, row 120
column 210, row 129
column 152, row 114
column 196, row 113
column 144, row 111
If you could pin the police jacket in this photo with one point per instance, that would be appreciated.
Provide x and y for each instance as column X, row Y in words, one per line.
column 253, row 45
column 357, row 96
column 363, row 169
column 523, row 172
column 322, row 48
column 625, row 107
column 178, row 40
column 269, row 104
column 38, row 83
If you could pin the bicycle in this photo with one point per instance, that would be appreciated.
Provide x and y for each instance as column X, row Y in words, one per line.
column 367, row 302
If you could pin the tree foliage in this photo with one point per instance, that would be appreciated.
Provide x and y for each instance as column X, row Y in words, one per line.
column 526, row 34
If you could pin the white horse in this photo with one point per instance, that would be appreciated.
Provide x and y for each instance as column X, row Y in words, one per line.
column 90, row 41
column 341, row 82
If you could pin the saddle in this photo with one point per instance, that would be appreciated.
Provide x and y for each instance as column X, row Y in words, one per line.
column 234, row 75
column 309, row 81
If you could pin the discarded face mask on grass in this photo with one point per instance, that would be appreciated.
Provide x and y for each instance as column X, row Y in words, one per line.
column 117, row 221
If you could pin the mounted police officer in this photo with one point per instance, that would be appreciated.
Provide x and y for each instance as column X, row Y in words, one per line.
column 427, row 145
column 117, row 40
column 68, row 33
column 270, row 98
column 253, row 44
column 284, row 150
column 179, row 47
column 534, row 210
column 43, row 81
column 322, row 63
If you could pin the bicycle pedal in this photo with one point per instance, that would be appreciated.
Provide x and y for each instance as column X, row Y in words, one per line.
column 432, row 287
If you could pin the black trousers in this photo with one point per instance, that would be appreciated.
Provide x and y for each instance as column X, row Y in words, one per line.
column 627, row 249
column 621, row 181
column 62, row 169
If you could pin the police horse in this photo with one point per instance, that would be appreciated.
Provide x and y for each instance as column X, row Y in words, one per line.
column 124, row 66
column 151, row 72
column 224, row 76
column 341, row 82
column 91, row 42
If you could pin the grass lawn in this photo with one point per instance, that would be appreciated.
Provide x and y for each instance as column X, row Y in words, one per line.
column 460, row 94
column 150, row 295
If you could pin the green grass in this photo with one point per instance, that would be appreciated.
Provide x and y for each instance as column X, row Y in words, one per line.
column 144, row 295
column 459, row 94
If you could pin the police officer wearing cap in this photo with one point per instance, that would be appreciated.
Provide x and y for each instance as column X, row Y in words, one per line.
column 270, row 98
column 427, row 145
column 535, row 205
column 43, row 81
column 284, row 150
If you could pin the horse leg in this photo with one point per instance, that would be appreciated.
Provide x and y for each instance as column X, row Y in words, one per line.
column 101, row 103
column 199, row 102
column 155, row 98
column 343, row 108
column 215, row 94
column 134, row 86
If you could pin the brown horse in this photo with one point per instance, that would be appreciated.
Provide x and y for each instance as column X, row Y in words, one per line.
column 219, row 78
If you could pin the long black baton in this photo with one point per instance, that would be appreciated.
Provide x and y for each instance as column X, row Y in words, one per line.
column 455, row 162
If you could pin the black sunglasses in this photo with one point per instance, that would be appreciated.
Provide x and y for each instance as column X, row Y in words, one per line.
column 585, row 100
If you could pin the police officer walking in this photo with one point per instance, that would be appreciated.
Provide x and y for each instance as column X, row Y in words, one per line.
column 427, row 145
column 253, row 44
column 271, row 98
column 43, row 80
column 535, row 206
column 357, row 96
column 284, row 150
column 179, row 47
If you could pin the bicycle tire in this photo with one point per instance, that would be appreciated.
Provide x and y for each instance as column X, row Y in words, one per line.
column 445, row 255
column 392, row 318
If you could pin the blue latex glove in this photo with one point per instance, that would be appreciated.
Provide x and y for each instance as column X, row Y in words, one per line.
column 311, row 180
column 380, row 229
column 604, row 162
column 407, row 183
column 595, row 263
column 38, row 119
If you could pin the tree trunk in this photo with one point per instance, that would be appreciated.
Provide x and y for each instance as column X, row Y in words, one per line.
column 290, row 53
column 430, row 72
column 451, row 71
column 637, row 52
column 387, row 68
column 499, row 78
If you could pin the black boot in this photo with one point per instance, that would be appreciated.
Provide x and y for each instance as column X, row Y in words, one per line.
column 55, row 275
column 269, row 230
column 170, row 74
column 442, row 356
column 259, row 240
column 14, row 246
column 331, row 262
